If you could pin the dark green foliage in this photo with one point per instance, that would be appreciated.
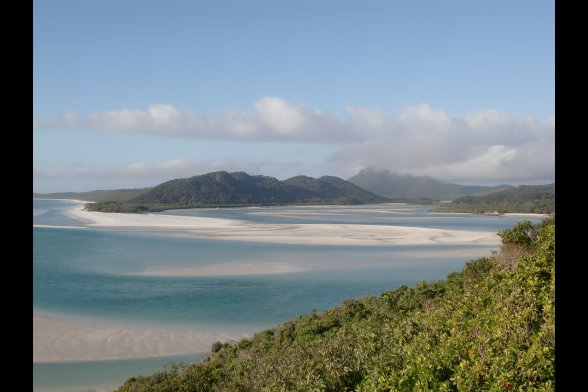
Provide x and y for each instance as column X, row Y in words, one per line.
column 522, row 234
column 394, row 186
column 115, row 206
column 525, row 198
column 240, row 189
column 329, row 189
column 487, row 328
column 216, row 347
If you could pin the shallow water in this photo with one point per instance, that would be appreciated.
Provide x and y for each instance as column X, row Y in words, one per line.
column 104, row 278
column 97, row 375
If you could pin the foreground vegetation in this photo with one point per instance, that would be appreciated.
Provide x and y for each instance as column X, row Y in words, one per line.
column 490, row 327
column 539, row 199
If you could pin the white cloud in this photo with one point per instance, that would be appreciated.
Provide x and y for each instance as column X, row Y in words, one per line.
column 480, row 146
column 274, row 119
column 297, row 122
column 483, row 146
column 65, row 120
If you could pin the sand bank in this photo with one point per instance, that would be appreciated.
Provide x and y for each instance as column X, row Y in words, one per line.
column 232, row 269
column 526, row 215
column 318, row 234
column 57, row 338
column 59, row 227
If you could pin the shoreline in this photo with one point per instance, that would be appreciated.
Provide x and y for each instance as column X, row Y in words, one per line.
column 76, row 200
column 59, row 226
column 521, row 214
column 287, row 233
column 527, row 214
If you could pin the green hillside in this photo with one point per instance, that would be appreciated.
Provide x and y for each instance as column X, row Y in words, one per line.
column 490, row 327
column 240, row 189
column 330, row 189
column 525, row 198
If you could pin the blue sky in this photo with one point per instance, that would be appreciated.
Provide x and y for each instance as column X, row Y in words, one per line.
column 132, row 93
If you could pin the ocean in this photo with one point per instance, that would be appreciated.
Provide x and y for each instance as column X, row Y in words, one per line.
column 109, row 304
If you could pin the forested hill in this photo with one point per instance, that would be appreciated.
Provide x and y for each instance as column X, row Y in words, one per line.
column 222, row 189
column 490, row 327
column 395, row 186
column 525, row 198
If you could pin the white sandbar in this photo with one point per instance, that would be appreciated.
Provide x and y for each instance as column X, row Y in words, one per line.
column 320, row 233
column 57, row 338
column 232, row 269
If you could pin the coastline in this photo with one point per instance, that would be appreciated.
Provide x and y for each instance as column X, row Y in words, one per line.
column 312, row 234
column 520, row 214
column 76, row 200
column 526, row 214
column 59, row 227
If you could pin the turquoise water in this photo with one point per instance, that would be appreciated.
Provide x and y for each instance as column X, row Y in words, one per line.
column 90, row 273
column 401, row 215
column 97, row 375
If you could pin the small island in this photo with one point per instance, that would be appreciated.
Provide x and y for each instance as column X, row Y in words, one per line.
column 239, row 189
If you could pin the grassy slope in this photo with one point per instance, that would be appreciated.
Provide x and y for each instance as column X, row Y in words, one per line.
column 489, row 327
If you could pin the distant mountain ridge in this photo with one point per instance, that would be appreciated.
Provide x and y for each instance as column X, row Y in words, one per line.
column 223, row 189
column 395, row 186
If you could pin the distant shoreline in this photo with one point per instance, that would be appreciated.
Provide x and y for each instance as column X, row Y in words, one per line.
column 76, row 200
column 521, row 214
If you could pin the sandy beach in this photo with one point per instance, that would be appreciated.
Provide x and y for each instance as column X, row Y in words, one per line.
column 57, row 338
column 318, row 234
column 526, row 215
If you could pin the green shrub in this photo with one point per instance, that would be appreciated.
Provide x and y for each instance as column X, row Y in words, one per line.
column 490, row 327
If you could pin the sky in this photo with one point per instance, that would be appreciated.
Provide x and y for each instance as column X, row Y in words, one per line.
column 129, row 93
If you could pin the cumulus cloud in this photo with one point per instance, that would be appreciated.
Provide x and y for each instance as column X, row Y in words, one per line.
column 274, row 119
column 65, row 120
column 486, row 145
column 483, row 146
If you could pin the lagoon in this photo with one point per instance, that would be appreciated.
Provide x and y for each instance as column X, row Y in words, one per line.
column 129, row 289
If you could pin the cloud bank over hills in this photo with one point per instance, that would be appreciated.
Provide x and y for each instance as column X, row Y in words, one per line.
column 482, row 146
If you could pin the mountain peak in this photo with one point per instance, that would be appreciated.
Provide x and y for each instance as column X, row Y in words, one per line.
column 395, row 186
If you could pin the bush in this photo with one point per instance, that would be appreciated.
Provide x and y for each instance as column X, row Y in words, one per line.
column 490, row 327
